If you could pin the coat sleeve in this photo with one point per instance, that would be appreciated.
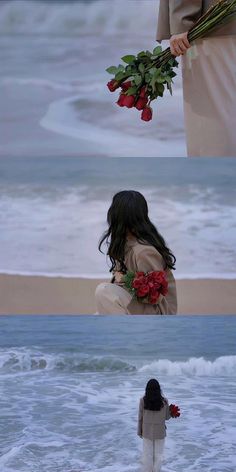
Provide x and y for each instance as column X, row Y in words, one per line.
column 140, row 418
column 168, row 416
column 149, row 260
column 183, row 14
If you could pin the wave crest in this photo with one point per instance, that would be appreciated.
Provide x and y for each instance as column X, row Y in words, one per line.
column 23, row 360
column 30, row 359
column 225, row 365
column 31, row 17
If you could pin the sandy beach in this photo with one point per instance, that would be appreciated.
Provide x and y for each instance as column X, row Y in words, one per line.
column 54, row 295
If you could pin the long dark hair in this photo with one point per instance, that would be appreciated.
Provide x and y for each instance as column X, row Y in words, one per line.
column 153, row 399
column 129, row 213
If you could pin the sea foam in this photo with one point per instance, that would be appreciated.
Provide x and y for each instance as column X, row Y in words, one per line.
column 71, row 18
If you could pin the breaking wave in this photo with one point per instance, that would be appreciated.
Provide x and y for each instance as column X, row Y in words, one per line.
column 74, row 17
column 23, row 360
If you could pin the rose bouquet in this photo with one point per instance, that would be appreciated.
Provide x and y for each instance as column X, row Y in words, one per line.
column 145, row 77
column 174, row 411
column 146, row 287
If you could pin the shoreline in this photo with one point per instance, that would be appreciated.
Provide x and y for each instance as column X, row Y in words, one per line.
column 105, row 276
column 37, row 294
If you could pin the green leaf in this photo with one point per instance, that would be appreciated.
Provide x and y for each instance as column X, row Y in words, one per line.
column 128, row 59
column 137, row 79
column 160, row 88
column 141, row 68
column 129, row 69
column 158, row 75
column 168, row 80
column 157, row 51
column 119, row 76
column 142, row 54
column 132, row 91
column 161, row 80
column 169, row 86
column 112, row 70
column 128, row 280
column 120, row 67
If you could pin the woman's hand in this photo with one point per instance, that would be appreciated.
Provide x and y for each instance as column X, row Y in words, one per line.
column 179, row 44
column 118, row 277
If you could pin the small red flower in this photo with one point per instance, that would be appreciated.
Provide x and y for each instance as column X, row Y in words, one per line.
column 129, row 101
column 139, row 281
column 141, row 103
column 143, row 92
column 147, row 114
column 120, row 102
column 113, row 85
column 143, row 291
column 174, row 411
column 150, row 285
column 153, row 299
column 126, row 85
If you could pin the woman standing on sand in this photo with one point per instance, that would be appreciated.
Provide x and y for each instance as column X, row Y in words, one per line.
column 154, row 410
column 135, row 245
column 209, row 77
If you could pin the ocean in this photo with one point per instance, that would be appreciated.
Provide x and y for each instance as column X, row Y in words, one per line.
column 55, row 210
column 70, row 388
column 53, row 81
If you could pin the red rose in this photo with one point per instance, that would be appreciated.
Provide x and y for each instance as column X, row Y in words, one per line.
column 147, row 114
column 143, row 92
column 151, row 284
column 129, row 101
column 153, row 299
column 159, row 281
column 157, row 277
column 126, row 85
column 141, row 103
column 143, row 291
column 139, row 281
column 113, row 85
column 120, row 102
column 154, row 295
column 164, row 288
column 174, row 411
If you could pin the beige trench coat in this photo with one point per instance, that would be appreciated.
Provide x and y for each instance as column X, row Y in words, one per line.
column 145, row 258
column 178, row 16
column 151, row 424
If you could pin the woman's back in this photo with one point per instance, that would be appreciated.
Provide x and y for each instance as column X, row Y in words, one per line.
column 153, row 422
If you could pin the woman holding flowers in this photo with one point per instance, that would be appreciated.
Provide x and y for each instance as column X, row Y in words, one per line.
column 154, row 410
column 209, row 76
column 141, row 263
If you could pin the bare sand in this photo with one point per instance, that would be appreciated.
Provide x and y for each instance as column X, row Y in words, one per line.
column 54, row 295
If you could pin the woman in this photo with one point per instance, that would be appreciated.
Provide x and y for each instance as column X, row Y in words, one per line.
column 209, row 77
column 134, row 244
column 153, row 413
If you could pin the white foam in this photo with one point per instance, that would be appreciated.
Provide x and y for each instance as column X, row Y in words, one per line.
column 7, row 456
column 30, row 17
column 225, row 365
column 63, row 236
column 69, row 86
column 63, row 119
